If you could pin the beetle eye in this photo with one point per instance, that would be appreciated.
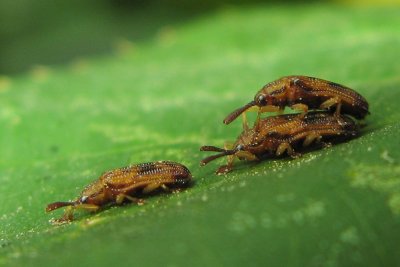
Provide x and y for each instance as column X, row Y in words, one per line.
column 83, row 199
column 239, row 147
column 261, row 99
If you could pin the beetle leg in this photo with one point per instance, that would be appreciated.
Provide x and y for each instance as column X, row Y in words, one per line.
column 121, row 197
column 269, row 108
column 257, row 122
column 69, row 212
column 300, row 107
column 282, row 148
column 244, row 122
column 338, row 108
column 263, row 109
column 331, row 102
column 311, row 138
column 151, row 187
column 246, row 155
column 326, row 144
column 165, row 188
column 169, row 190
column 224, row 169
column 287, row 147
column 253, row 109
column 89, row 207
column 293, row 154
column 67, row 217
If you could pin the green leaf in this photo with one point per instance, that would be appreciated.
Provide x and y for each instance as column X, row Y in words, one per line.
column 340, row 206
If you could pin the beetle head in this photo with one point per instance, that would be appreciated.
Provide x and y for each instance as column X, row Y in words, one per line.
column 271, row 93
column 271, row 96
column 93, row 193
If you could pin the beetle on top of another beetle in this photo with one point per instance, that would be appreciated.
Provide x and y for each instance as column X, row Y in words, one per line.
column 274, row 135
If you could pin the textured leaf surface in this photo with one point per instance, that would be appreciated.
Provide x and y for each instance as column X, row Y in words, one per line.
column 61, row 128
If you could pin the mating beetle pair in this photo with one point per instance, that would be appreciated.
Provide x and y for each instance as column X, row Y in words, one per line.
column 273, row 136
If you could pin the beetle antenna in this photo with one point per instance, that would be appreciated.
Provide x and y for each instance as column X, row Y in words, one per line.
column 212, row 148
column 57, row 205
column 238, row 111
column 213, row 157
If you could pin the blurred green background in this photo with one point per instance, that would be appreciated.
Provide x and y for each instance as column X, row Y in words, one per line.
column 88, row 86
column 46, row 32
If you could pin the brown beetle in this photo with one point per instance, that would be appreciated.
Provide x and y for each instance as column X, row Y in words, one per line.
column 273, row 136
column 124, row 184
column 303, row 93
